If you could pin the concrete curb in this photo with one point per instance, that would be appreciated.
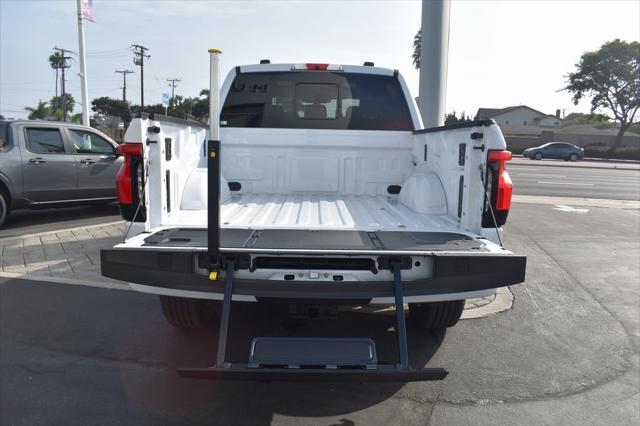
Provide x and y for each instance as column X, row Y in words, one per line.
column 77, row 228
column 503, row 301
column 473, row 308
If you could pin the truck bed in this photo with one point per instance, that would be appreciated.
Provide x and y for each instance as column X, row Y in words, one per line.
column 327, row 212
column 318, row 211
column 318, row 223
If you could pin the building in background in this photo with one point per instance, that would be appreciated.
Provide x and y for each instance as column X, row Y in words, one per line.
column 523, row 126
column 515, row 118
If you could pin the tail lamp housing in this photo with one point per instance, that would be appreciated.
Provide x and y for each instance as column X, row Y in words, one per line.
column 130, row 183
column 499, row 189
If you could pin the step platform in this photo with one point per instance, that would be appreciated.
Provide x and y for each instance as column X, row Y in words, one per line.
column 313, row 359
column 296, row 352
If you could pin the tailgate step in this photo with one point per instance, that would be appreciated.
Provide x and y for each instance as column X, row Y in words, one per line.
column 295, row 352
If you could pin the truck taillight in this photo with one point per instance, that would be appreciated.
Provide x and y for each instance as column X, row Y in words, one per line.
column 499, row 189
column 130, row 183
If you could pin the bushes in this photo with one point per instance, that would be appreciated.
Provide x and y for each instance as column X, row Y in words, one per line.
column 622, row 153
column 517, row 149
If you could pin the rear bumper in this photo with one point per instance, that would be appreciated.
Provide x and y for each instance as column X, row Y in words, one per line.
column 177, row 271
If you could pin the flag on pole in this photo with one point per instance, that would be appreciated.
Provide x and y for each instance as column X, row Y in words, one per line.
column 87, row 10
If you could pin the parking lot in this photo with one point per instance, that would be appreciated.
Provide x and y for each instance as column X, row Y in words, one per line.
column 566, row 352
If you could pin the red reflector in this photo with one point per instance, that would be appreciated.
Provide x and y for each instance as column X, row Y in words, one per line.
column 123, row 183
column 317, row 67
column 130, row 149
column 505, row 190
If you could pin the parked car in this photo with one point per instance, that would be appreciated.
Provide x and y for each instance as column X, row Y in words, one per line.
column 55, row 164
column 559, row 150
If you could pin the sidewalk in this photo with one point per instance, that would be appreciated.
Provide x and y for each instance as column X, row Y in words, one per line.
column 68, row 255
column 72, row 256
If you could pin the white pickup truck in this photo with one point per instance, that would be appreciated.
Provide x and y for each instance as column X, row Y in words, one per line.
column 323, row 186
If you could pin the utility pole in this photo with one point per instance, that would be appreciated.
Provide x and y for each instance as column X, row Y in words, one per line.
column 172, row 84
column 124, row 85
column 138, row 60
column 63, row 65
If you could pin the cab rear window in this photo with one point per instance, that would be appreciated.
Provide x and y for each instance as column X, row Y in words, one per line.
column 316, row 100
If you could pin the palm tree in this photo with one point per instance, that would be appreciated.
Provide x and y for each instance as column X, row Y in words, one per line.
column 417, row 46
column 56, row 61
column 57, row 103
column 41, row 112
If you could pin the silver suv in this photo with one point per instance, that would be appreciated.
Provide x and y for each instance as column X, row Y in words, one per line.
column 54, row 164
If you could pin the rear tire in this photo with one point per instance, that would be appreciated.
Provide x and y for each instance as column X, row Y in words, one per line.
column 4, row 207
column 538, row 156
column 190, row 314
column 436, row 315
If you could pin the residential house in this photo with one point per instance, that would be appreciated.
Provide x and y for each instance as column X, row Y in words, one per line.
column 520, row 119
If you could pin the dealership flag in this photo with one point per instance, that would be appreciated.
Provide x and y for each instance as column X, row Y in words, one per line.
column 87, row 10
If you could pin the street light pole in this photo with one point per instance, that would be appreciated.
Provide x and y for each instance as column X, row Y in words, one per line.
column 434, row 56
column 83, row 69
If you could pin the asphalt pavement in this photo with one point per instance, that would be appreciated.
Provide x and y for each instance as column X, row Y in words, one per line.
column 568, row 181
column 566, row 353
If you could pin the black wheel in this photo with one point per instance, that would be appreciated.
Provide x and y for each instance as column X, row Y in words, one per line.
column 538, row 156
column 573, row 157
column 4, row 206
column 189, row 314
column 436, row 315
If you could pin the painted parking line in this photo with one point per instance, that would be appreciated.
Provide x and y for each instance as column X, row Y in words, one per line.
column 566, row 183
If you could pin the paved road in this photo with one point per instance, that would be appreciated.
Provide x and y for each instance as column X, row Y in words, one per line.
column 568, row 181
column 566, row 353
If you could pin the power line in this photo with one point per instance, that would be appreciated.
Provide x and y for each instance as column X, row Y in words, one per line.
column 172, row 84
column 138, row 59
column 124, row 85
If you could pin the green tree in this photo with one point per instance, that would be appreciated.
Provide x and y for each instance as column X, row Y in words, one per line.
column 181, row 107
column 417, row 46
column 106, row 107
column 69, row 101
column 611, row 77
column 450, row 118
column 40, row 112
column 201, row 108
column 148, row 109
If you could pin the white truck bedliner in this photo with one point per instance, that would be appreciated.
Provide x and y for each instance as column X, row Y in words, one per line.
column 320, row 211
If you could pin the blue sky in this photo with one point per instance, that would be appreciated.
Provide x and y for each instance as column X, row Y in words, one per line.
column 501, row 52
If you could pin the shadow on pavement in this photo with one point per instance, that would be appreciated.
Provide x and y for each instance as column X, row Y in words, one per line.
column 104, row 348
column 20, row 222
